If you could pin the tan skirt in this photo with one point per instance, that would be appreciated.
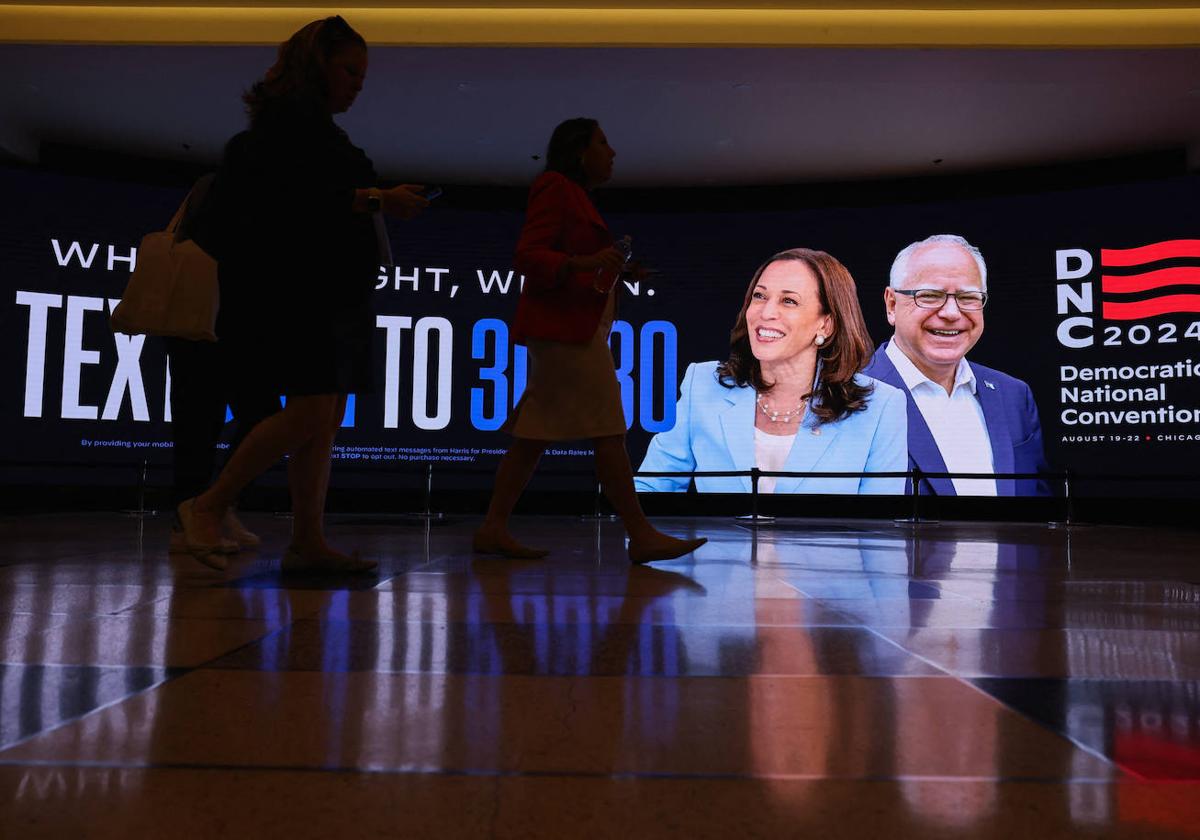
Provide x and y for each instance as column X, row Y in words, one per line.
column 572, row 392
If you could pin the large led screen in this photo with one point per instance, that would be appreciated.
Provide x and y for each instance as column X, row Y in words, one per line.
column 1093, row 304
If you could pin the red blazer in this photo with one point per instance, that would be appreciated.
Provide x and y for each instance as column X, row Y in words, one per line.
column 560, row 222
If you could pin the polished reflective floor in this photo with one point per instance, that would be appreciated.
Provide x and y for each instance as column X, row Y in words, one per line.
column 808, row 679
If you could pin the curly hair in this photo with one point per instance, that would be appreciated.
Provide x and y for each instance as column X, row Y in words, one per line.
column 299, row 71
column 845, row 353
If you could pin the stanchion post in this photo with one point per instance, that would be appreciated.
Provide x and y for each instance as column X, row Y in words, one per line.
column 141, row 500
column 142, row 479
column 597, row 514
column 428, row 490
column 754, row 518
column 1069, row 497
column 916, row 494
column 426, row 514
column 754, row 476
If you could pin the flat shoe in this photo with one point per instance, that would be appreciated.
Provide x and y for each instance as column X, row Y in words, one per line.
column 210, row 554
column 516, row 551
column 295, row 561
column 178, row 543
column 239, row 534
column 667, row 551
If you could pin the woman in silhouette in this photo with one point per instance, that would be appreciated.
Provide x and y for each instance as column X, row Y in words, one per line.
column 299, row 255
column 571, row 267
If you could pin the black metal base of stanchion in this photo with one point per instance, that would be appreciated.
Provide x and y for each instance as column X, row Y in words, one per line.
column 598, row 514
column 383, row 520
column 141, row 511
column 754, row 519
column 429, row 516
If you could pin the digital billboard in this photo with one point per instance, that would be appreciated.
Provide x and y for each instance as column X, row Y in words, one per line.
column 1093, row 302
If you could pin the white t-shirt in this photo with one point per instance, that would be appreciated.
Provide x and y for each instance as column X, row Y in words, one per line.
column 770, row 453
column 955, row 419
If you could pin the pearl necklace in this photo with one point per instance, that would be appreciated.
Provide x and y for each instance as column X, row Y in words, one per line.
column 781, row 416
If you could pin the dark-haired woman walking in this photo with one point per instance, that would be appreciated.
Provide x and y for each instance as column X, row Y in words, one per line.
column 298, row 258
column 571, row 268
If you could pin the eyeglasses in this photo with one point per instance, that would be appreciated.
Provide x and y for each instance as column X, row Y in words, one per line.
column 936, row 298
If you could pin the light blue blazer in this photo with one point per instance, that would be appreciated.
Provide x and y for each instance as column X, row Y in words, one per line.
column 714, row 430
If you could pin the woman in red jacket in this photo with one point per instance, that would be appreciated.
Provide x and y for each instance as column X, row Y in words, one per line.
column 571, row 268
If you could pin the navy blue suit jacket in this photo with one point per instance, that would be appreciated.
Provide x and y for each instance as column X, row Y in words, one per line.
column 1012, row 423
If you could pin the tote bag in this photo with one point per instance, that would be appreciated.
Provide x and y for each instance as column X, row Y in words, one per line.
column 173, row 289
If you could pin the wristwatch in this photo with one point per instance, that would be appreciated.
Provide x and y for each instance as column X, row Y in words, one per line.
column 374, row 200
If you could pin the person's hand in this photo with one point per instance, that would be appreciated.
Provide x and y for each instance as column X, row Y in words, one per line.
column 637, row 271
column 404, row 201
column 609, row 262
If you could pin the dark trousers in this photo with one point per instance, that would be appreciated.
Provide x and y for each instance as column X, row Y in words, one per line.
column 203, row 381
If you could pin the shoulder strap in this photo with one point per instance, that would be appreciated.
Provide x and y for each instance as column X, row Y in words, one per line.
column 173, row 226
column 193, row 200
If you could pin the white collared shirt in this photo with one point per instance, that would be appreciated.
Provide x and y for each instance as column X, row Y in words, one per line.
column 955, row 419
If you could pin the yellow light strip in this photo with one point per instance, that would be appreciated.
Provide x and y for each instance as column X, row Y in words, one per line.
column 640, row 27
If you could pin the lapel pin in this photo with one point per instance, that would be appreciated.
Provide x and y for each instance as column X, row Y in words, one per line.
column 816, row 431
column 989, row 385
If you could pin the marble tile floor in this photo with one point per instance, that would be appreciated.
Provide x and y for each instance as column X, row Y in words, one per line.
column 811, row 679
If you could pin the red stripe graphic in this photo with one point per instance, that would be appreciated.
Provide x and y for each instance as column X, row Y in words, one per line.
column 1150, row 253
column 1183, row 275
column 1150, row 308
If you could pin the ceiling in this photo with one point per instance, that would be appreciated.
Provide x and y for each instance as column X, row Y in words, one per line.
column 675, row 115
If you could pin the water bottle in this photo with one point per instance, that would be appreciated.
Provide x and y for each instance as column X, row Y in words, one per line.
column 625, row 246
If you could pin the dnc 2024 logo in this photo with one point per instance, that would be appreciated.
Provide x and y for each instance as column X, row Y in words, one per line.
column 1136, row 285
